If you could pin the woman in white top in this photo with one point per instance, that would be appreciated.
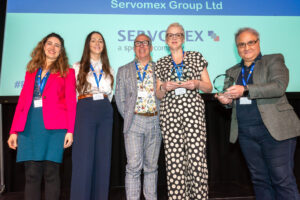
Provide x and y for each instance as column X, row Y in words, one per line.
column 93, row 126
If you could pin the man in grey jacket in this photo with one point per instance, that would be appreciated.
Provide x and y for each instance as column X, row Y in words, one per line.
column 262, row 119
column 137, row 103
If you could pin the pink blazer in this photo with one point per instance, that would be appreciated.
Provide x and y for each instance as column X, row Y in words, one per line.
column 59, row 102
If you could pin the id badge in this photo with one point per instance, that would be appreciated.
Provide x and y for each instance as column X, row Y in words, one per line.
column 38, row 103
column 142, row 94
column 245, row 101
column 180, row 91
column 98, row 96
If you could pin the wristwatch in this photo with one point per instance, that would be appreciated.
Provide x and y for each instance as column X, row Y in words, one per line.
column 246, row 91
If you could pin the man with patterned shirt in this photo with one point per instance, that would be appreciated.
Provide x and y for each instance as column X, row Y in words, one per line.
column 138, row 105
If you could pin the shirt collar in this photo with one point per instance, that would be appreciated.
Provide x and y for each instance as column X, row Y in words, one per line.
column 95, row 62
column 139, row 64
column 256, row 59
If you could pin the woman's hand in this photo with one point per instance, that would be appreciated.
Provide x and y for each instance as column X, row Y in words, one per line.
column 191, row 84
column 68, row 140
column 170, row 85
column 13, row 141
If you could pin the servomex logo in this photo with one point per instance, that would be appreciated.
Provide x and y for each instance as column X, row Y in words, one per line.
column 190, row 35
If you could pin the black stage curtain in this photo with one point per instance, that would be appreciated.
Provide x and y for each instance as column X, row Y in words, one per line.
column 226, row 164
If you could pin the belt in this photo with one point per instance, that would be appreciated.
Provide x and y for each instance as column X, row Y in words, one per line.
column 89, row 95
column 147, row 114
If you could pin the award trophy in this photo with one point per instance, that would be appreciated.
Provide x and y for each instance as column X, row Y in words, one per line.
column 222, row 82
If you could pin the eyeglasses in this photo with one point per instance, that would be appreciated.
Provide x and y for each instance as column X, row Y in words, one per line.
column 174, row 35
column 140, row 43
column 249, row 44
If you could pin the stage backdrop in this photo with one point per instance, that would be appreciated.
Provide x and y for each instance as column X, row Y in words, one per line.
column 209, row 26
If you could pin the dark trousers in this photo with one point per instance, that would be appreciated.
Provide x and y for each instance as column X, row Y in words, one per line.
column 91, row 151
column 270, row 162
column 34, row 172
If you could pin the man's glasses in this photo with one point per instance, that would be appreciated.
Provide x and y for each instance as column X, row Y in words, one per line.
column 140, row 43
column 174, row 35
column 249, row 44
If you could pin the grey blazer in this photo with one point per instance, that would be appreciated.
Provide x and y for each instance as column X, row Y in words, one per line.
column 270, row 80
column 126, row 93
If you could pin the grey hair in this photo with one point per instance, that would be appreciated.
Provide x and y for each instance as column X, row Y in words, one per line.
column 176, row 24
column 143, row 34
column 246, row 29
column 150, row 42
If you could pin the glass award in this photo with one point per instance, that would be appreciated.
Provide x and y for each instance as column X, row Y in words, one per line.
column 222, row 82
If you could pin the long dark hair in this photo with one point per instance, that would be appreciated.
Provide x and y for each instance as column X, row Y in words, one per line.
column 82, row 84
column 38, row 57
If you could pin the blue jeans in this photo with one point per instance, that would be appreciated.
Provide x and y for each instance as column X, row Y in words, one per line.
column 270, row 162
column 142, row 144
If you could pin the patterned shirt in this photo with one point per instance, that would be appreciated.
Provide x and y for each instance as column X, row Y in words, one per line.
column 145, row 103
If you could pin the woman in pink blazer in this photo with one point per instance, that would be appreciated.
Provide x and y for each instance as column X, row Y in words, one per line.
column 44, row 119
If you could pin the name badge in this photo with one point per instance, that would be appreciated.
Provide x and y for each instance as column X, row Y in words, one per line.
column 38, row 103
column 98, row 96
column 180, row 91
column 245, row 101
column 142, row 94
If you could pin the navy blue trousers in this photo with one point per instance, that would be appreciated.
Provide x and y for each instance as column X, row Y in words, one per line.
column 270, row 162
column 91, row 151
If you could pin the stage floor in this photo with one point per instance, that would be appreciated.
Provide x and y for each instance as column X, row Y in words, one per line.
column 230, row 191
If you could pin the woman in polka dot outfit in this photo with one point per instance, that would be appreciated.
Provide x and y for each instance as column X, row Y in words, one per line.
column 180, row 76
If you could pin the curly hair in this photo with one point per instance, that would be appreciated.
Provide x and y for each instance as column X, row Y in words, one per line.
column 38, row 57
column 82, row 84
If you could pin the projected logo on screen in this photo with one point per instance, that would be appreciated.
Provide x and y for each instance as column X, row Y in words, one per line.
column 129, row 35
column 158, row 38
column 214, row 36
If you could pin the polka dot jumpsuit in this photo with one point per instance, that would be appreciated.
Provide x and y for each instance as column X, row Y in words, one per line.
column 182, row 121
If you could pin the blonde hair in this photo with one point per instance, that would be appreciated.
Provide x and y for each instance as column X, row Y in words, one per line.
column 176, row 24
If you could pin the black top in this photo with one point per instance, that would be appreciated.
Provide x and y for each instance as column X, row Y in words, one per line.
column 247, row 114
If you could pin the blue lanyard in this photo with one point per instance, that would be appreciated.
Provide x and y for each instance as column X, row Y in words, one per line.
column 249, row 75
column 42, row 83
column 178, row 68
column 139, row 73
column 95, row 75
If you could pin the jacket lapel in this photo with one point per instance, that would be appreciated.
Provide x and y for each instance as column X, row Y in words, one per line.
column 236, row 72
column 257, row 71
column 32, row 80
column 50, row 80
column 132, row 76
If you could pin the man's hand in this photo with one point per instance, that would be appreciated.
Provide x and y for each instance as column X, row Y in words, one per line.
column 223, row 99
column 235, row 91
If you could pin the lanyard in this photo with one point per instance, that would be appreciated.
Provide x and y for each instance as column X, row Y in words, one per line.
column 139, row 73
column 178, row 68
column 95, row 75
column 42, row 83
column 249, row 75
